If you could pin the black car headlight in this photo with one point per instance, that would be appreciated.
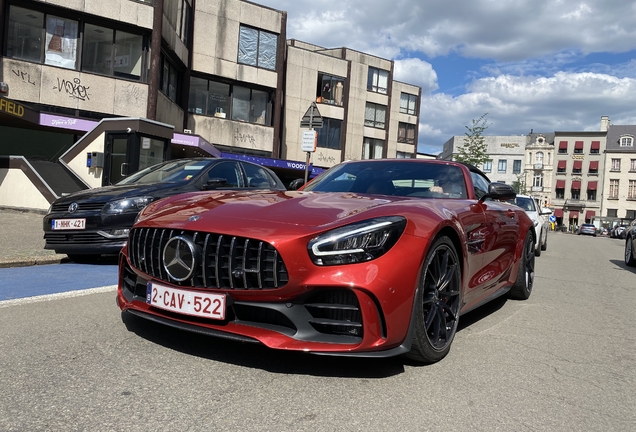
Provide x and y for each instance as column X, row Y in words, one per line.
column 127, row 205
column 358, row 242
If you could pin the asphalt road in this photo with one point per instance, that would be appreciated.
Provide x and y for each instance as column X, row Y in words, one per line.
column 561, row 361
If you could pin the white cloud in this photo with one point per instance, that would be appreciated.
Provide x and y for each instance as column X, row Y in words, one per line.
column 417, row 72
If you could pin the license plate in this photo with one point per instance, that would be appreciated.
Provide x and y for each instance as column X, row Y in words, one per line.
column 68, row 224
column 205, row 305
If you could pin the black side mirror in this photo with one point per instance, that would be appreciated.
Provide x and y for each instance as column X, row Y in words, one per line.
column 215, row 182
column 500, row 191
column 296, row 184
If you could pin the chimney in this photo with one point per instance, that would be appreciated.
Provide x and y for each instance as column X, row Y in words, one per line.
column 605, row 122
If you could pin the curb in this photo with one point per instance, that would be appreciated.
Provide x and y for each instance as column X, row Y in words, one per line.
column 27, row 262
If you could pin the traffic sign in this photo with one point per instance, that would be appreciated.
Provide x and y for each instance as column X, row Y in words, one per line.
column 552, row 218
column 312, row 118
column 309, row 141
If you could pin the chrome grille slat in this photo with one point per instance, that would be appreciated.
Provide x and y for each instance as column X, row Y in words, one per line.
column 227, row 262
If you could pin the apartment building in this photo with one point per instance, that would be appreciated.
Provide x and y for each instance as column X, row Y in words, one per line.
column 538, row 166
column 93, row 91
column 618, row 192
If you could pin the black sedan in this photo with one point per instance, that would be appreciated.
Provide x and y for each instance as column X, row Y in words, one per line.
column 93, row 222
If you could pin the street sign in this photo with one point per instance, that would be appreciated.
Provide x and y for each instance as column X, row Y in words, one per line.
column 309, row 141
column 312, row 118
column 552, row 218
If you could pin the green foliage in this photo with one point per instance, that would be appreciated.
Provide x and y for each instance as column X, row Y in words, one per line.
column 519, row 185
column 474, row 151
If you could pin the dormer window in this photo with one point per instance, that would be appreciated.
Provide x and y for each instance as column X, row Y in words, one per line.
column 626, row 141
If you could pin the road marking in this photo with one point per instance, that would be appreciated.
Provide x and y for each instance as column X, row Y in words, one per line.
column 56, row 296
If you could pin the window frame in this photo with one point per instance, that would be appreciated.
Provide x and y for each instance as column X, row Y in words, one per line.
column 375, row 123
column 333, row 81
column 407, row 109
column 258, row 61
column 487, row 166
column 516, row 166
column 615, row 165
column 502, row 163
column 373, row 80
column 324, row 133
column 614, row 185
column 372, row 145
column 406, row 127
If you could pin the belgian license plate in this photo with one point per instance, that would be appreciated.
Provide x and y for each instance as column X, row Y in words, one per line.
column 205, row 305
column 68, row 224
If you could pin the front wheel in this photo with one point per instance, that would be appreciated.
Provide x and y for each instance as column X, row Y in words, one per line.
column 437, row 303
column 544, row 243
column 629, row 253
column 525, row 277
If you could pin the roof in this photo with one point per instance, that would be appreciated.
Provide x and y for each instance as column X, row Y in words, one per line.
column 614, row 134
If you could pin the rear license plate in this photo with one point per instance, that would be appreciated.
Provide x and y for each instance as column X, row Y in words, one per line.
column 205, row 305
column 68, row 224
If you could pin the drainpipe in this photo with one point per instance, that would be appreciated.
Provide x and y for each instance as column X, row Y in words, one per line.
column 155, row 60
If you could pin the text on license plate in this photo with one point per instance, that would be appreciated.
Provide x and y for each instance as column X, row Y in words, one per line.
column 193, row 303
column 68, row 224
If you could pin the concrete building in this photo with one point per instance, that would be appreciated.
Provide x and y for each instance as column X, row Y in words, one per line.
column 93, row 91
column 507, row 155
column 538, row 167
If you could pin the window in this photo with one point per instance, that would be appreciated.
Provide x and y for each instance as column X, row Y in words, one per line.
column 487, row 166
column 563, row 147
column 595, row 147
column 372, row 148
column 626, row 141
column 406, row 133
column 561, row 166
column 257, row 48
column 632, row 165
column 593, row 169
column 229, row 101
column 330, row 89
column 537, row 180
column 112, row 52
column 578, row 147
column 329, row 133
column 630, row 214
column 539, row 158
column 631, row 192
column 612, row 212
column 560, row 193
column 575, row 194
column 503, row 165
column 169, row 79
column 480, row 184
column 375, row 115
column 229, row 171
column 408, row 103
column 613, row 189
column 516, row 167
column 591, row 195
column 577, row 167
column 178, row 13
column 404, row 155
column 378, row 80
column 616, row 165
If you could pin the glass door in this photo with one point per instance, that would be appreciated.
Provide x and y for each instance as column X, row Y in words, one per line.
column 128, row 153
column 116, row 164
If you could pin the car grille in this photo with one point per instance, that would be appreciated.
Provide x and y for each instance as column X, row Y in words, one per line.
column 63, row 208
column 75, row 238
column 226, row 262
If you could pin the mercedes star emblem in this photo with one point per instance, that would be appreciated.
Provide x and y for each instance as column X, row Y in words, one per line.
column 179, row 258
column 73, row 207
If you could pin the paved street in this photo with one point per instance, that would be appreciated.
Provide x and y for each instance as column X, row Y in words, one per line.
column 561, row 361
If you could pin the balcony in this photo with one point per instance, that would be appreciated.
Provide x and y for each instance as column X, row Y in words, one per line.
column 537, row 189
column 574, row 203
column 538, row 165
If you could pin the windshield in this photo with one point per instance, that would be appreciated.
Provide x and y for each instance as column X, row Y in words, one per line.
column 168, row 172
column 525, row 203
column 393, row 177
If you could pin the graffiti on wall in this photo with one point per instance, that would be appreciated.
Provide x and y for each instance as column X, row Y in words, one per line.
column 24, row 76
column 325, row 158
column 244, row 138
column 75, row 89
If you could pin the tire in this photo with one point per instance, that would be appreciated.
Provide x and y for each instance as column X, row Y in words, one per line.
column 84, row 259
column 544, row 244
column 537, row 250
column 437, row 303
column 629, row 253
column 522, row 288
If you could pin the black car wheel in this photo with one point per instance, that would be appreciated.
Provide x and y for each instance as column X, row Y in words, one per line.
column 437, row 303
column 629, row 253
column 525, row 277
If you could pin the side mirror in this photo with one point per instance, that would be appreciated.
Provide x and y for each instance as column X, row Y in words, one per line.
column 215, row 182
column 296, row 184
column 500, row 191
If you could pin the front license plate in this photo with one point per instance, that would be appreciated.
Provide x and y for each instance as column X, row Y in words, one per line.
column 68, row 224
column 193, row 303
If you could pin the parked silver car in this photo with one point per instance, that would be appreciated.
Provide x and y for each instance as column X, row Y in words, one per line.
column 536, row 213
column 587, row 229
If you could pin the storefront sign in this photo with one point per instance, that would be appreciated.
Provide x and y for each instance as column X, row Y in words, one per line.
column 18, row 110
column 510, row 145
column 67, row 122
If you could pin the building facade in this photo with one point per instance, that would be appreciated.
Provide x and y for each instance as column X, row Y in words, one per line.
column 538, row 166
column 618, row 192
column 206, row 78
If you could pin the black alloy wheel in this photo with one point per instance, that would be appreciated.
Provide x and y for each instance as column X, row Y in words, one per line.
column 437, row 303
column 525, row 277
column 629, row 252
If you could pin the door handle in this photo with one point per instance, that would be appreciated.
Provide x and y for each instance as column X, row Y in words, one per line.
column 124, row 170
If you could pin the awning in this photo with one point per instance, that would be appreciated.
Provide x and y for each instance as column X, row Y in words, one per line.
column 558, row 213
column 578, row 145
column 574, row 214
column 560, row 184
column 589, row 214
column 576, row 185
column 596, row 145
column 578, row 164
column 591, row 185
column 563, row 145
column 593, row 165
column 562, row 164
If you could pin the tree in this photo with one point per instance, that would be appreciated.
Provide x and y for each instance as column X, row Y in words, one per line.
column 520, row 185
column 474, row 150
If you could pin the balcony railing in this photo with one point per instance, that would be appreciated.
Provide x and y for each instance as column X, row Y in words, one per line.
column 538, row 165
column 537, row 189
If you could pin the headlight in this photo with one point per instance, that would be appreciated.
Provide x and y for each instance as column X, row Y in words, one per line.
column 358, row 242
column 127, row 205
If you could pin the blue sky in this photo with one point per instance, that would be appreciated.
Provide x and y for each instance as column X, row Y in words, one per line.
column 546, row 65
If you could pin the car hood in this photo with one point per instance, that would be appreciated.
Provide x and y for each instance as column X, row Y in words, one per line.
column 259, row 212
column 108, row 193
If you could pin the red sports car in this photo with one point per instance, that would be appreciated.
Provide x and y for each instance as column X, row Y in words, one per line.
column 373, row 258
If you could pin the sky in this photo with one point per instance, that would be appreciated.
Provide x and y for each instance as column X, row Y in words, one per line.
column 530, row 65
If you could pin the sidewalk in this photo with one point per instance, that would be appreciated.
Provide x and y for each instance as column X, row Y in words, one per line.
column 22, row 239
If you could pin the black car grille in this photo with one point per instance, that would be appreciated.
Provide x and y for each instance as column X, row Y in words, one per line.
column 75, row 238
column 86, row 206
column 227, row 262
column 335, row 312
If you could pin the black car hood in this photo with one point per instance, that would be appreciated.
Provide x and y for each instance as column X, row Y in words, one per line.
column 109, row 193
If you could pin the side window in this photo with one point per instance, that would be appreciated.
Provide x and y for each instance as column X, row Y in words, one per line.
column 229, row 171
column 480, row 185
column 256, row 176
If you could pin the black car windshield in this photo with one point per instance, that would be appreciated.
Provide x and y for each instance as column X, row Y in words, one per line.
column 393, row 177
column 167, row 172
